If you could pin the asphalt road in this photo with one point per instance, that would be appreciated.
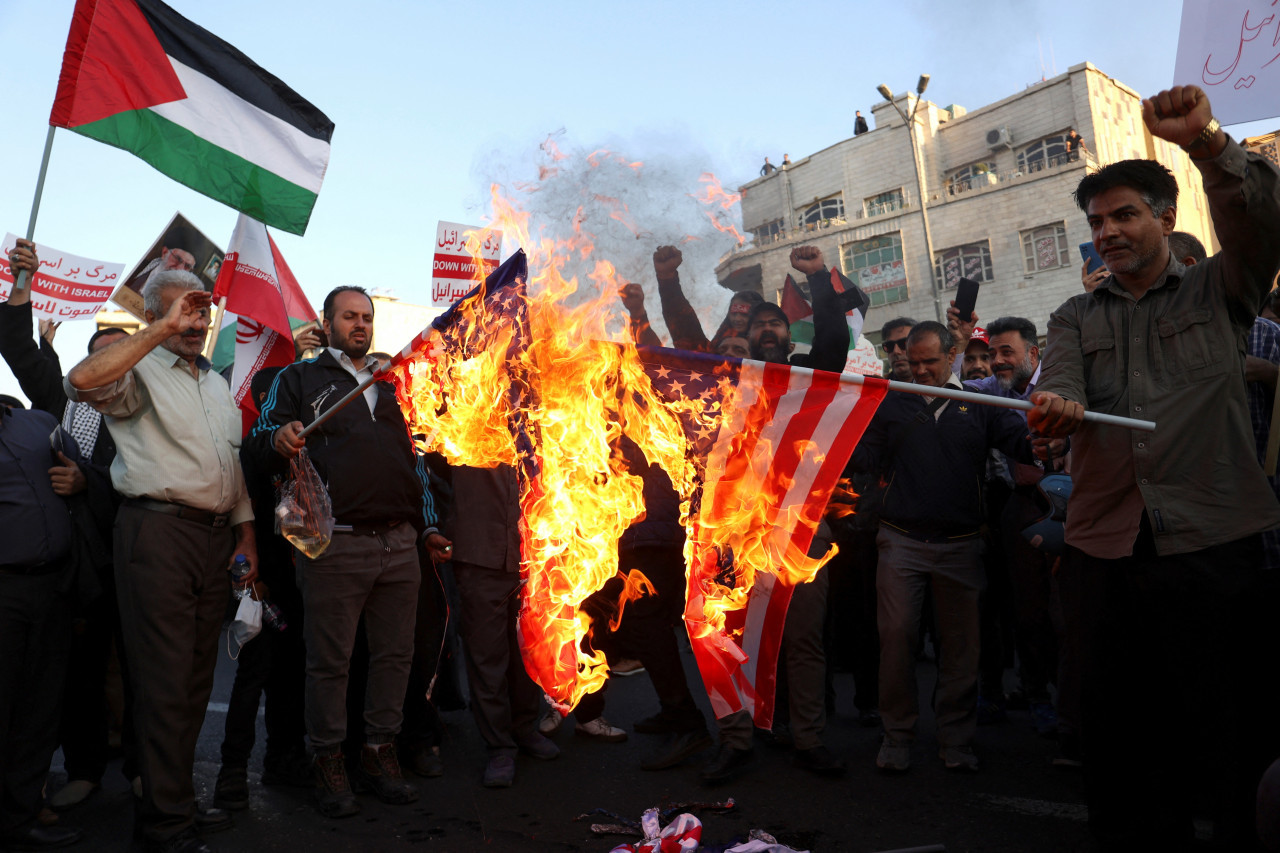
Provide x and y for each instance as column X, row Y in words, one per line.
column 1017, row 802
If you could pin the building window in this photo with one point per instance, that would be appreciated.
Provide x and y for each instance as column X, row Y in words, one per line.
column 827, row 208
column 769, row 232
column 876, row 266
column 972, row 261
column 1044, row 248
column 885, row 203
column 1043, row 153
column 974, row 175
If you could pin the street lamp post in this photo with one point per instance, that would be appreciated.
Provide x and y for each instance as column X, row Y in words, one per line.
column 887, row 94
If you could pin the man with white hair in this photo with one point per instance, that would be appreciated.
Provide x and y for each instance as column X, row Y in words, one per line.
column 184, row 520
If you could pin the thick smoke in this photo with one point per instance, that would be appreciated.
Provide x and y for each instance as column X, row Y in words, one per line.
column 631, row 197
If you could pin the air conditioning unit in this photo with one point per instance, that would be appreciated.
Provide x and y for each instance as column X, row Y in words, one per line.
column 999, row 137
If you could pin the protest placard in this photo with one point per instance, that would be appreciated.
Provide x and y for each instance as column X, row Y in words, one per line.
column 454, row 270
column 181, row 246
column 67, row 287
column 1230, row 49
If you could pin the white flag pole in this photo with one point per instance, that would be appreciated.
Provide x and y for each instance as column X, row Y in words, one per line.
column 20, row 282
column 217, row 326
column 1003, row 402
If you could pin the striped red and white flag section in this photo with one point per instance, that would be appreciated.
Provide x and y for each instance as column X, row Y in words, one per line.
column 139, row 76
column 263, row 294
column 784, row 445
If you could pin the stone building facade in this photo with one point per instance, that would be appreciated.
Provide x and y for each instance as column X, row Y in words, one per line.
column 999, row 183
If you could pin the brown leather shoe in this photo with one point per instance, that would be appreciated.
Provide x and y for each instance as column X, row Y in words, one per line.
column 379, row 771
column 334, row 797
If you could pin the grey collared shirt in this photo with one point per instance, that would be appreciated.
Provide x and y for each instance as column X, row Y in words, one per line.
column 1175, row 356
column 177, row 435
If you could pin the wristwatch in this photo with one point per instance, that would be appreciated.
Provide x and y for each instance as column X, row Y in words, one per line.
column 1204, row 137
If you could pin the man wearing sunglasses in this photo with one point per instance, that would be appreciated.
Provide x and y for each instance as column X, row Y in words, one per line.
column 893, row 337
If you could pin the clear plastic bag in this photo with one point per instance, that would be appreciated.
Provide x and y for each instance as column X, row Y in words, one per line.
column 305, row 512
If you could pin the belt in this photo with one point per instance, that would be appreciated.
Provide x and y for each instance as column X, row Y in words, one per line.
column 186, row 513
column 367, row 529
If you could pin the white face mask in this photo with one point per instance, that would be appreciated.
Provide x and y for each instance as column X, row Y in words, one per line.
column 247, row 625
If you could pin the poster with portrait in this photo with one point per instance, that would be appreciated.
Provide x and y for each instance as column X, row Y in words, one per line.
column 180, row 246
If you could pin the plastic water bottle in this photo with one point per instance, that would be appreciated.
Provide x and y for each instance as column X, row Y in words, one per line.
column 239, row 570
column 273, row 617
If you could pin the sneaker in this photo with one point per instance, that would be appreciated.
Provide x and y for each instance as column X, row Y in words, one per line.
column 819, row 761
column 676, row 749
column 959, row 758
column 626, row 667
column 1069, row 755
column 72, row 794
column 334, row 797
column 869, row 719
column 499, row 772
column 991, row 711
column 599, row 729
column 425, row 761
column 538, row 746
column 1045, row 719
column 231, row 792
column 379, row 771
column 550, row 724
column 893, row 757
column 727, row 764
column 209, row 821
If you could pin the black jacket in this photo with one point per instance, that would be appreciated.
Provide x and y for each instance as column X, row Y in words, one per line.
column 367, row 460
column 933, row 469
column 39, row 374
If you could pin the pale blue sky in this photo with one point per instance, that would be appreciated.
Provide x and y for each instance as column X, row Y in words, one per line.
column 431, row 101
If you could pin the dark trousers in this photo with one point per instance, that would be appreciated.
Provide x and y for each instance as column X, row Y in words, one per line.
column 35, row 634
column 172, row 584
column 649, row 624
column 273, row 663
column 1035, row 600
column 1178, row 690
column 504, row 699
column 996, row 600
column 421, row 725
column 84, row 727
column 853, row 640
column 374, row 577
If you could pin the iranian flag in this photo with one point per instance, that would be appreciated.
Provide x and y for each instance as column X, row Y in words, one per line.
column 141, row 77
column 267, row 302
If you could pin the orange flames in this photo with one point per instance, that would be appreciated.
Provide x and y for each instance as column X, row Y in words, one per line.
column 588, row 388
column 713, row 195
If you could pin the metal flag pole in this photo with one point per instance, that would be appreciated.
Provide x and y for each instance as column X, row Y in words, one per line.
column 1003, row 402
column 21, row 281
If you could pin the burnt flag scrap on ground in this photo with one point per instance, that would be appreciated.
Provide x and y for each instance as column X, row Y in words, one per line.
column 139, row 76
column 770, row 462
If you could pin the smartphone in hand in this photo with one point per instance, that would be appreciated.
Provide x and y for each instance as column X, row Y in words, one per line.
column 1090, row 256
column 966, row 298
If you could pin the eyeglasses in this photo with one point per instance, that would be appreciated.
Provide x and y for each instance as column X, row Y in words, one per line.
column 890, row 346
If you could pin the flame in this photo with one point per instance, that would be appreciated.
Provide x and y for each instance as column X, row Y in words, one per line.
column 588, row 388
column 714, row 195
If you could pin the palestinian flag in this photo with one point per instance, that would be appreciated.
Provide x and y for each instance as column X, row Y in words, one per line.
column 800, row 313
column 139, row 76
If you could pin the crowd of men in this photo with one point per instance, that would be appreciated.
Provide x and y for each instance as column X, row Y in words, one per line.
column 1154, row 588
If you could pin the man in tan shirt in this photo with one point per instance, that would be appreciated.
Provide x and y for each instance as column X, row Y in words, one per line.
column 185, row 518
